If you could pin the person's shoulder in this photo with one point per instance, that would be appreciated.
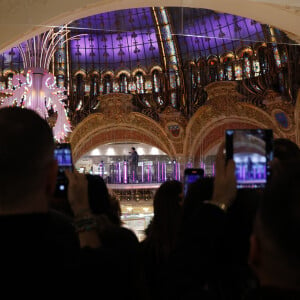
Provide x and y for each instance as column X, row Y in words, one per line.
column 128, row 233
column 121, row 238
column 59, row 218
column 61, row 225
column 124, row 236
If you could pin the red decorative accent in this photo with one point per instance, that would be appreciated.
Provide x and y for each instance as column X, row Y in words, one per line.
column 175, row 130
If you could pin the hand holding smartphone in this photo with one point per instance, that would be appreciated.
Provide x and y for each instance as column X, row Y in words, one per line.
column 252, row 151
column 190, row 176
column 63, row 155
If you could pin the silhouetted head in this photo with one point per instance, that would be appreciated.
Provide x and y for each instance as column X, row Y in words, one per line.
column 100, row 200
column 199, row 191
column 275, row 242
column 285, row 149
column 241, row 214
column 164, row 229
column 27, row 161
column 168, row 199
column 132, row 148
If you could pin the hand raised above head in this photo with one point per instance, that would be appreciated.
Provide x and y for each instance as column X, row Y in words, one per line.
column 77, row 192
column 225, row 181
column 85, row 221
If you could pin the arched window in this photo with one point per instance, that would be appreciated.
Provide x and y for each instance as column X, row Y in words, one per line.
column 256, row 67
column 246, row 65
column 238, row 71
column 140, row 83
column 228, row 74
column 276, row 56
column 198, row 78
column 263, row 60
column 79, row 91
column 174, row 79
column 213, row 69
column 123, row 84
column 202, row 67
column 79, row 85
column 107, row 85
column 156, row 82
column 221, row 73
column 116, row 86
column 94, row 86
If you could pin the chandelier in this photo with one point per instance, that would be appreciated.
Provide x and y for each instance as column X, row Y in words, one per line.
column 37, row 89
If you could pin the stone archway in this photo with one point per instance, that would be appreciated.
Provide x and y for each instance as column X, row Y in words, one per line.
column 23, row 19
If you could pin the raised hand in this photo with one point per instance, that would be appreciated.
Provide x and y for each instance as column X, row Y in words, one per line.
column 225, row 181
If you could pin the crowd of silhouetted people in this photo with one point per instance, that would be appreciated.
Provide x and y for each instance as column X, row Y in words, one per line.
column 218, row 242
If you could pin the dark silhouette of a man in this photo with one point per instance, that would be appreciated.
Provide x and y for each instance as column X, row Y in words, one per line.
column 134, row 159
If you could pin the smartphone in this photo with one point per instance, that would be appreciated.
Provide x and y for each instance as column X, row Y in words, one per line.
column 252, row 151
column 190, row 176
column 63, row 155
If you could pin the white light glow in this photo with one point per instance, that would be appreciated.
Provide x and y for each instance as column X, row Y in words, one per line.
column 140, row 151
column 237, row 159
column 110, row 151
column 154, row 151
column 95, row 152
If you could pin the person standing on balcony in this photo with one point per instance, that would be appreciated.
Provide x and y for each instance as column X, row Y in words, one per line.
column 134, row 160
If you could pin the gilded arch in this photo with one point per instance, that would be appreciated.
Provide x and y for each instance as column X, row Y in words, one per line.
column 224, row 110
column 100, row 128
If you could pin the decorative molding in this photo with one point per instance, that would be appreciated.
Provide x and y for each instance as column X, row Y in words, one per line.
column 223, row 107
column 117, row 122
column 117, row 117
column 116, row 104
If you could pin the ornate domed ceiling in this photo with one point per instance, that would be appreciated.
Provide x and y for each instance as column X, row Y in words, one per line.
column 205, row 32
column 162, row 57
column 145, row 37
column 120, row 39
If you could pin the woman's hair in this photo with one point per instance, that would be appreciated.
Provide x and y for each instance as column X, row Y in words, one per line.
column 101, row 202
column 162, row 235
column 115, row 209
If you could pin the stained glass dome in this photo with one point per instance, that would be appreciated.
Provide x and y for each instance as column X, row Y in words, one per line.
column 115, row 40
column 163, row 56
column 131, row 38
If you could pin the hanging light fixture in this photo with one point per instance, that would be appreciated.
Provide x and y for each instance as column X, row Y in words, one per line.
column 37, row 89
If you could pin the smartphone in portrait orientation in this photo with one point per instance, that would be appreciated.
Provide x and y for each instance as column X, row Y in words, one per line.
column 252, row 151
column 63, row 155
column 190, row 176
